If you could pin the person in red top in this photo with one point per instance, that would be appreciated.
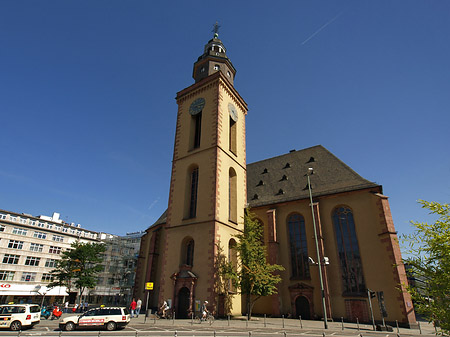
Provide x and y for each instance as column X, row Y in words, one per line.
column 56, row 313
column 133, row 307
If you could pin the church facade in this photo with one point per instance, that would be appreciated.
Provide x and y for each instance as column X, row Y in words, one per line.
column 210, row 187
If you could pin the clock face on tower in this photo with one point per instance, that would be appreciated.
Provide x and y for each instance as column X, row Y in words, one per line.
column 233, row 112
column 197, row 106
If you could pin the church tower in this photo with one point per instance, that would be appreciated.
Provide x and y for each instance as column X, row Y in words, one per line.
column 208, row 183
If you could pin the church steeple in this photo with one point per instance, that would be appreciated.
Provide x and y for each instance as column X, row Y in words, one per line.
column 214, row 59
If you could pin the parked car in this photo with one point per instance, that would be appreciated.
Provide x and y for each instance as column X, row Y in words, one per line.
column 17, row 316
column 109, row 318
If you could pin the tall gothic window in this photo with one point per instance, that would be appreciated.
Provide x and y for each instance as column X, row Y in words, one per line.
column 298, row 246
column 193, row 193
column 232, row 195
column 233, row 136
column 197, row 129
column 348, row 250
column 190, row 253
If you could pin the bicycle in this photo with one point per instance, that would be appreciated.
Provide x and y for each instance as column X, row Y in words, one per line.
column 209, row 318
column 168, row 315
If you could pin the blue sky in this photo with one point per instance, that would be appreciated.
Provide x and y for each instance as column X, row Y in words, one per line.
column 88, row 112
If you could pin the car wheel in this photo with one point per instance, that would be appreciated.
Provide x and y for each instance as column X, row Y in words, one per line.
column 70, row 326
column 110, row 326
column 16, row 326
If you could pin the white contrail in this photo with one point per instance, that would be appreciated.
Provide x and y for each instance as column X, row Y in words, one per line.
column 321, row 28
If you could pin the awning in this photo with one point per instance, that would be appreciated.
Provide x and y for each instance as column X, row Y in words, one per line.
column 12, row 289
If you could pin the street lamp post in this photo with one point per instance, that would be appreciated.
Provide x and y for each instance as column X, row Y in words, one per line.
column 319, row 263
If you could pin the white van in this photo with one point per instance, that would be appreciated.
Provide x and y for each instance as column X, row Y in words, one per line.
column 16, row 316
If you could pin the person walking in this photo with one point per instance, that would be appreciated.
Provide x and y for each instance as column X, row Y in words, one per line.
column 66, row 307
column 138, row 307
column 133, row 307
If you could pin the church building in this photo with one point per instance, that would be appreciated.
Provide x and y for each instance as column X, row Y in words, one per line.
column 347, row 227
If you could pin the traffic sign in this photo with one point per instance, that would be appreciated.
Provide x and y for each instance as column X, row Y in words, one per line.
column 149, row 285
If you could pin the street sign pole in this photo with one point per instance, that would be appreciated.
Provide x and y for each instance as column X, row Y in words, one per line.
column 146, row 307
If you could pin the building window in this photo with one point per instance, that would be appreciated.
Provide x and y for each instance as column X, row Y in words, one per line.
column 2, row 228
column 11, row 259
column 58, row 238
column 23, row 220
column 193, row 193
column 36, row 247
column 32, row 222
column 50, row 263
column 298, row 246
column 40, row 235
column 12, row 218
column 6, row 275
column 28, row 277
column 216, row 67
column 49, row 226
column 190, row 253
column 47, row 278
column 20, row 231
column 54, row 250
column 32, row 261
column 2, row 216
column 348, row 250
column 233, row 259
column 232, row 195
column 41, row 224
column 197, row 130
column 233, row 136
column 14, row 244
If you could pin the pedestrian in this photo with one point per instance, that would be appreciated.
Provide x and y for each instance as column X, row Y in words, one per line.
column 66, row 307
column 133, row 307
column 75, row 307
column 86, row 304
column 138, row 307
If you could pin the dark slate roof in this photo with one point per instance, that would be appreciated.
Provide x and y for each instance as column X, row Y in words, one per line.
column 283, row 178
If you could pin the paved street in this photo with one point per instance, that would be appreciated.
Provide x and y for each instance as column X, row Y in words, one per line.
column 224, row 328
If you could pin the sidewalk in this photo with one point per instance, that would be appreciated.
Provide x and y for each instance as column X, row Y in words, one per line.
column 276, row 324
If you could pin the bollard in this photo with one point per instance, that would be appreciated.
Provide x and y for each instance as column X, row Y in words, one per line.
column 342, row 323
column 173, row 318
column 398, row 330
column 246, row 321
column 60, row 333
column 249, row 334
column 282, row 320
column 176, row 334
column 136, row 333
column 18, row 333
column 154, row 319
column 357, row 323
column 214, row 333
column 192, row 318
column 98, row 333
column 228, row 320
column 301, row 323
column 323, row 334
column 360, row 335
column 284, row 332
column 264, row 320
column 420, row 328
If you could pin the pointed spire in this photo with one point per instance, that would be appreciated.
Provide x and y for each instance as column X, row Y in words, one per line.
column 216, row 30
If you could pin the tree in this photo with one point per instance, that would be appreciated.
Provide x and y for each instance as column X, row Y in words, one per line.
column 225, row 275
column 254, row 276
column 78, row 266
column 428, row 261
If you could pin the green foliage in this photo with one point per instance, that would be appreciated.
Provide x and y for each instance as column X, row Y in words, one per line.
column 255, row 277
column 78, row 266
column 428, row 249
column 225, row 276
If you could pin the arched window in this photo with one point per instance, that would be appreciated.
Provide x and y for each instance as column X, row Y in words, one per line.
column 298, row 246
column 187, row 251
column 348, row 250
column 233, row 136
column 232, row 195
column 192, row 197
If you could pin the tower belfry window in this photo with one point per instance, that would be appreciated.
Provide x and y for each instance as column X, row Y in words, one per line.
column 193, row 193
column 197, row 129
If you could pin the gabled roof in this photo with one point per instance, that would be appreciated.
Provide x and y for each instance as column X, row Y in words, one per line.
column 283, row 178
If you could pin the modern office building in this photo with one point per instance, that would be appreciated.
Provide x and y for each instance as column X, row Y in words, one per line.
column 29, row 248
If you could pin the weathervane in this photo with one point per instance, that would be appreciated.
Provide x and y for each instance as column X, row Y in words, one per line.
column 216, row 30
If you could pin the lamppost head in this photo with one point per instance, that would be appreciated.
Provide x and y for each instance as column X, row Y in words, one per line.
column 310, row 170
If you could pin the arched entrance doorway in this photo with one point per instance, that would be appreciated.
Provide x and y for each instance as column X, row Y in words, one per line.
column 183, row 303
column 302, row 307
